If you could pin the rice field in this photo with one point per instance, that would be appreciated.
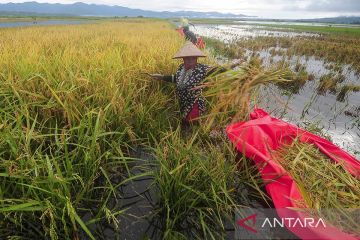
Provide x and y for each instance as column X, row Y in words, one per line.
column 92, row 148
column 325, row 72
column 85, row 136
column 73, row 102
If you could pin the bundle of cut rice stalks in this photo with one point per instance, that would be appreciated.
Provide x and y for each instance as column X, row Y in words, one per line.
column 328, row 190
column 230, row 93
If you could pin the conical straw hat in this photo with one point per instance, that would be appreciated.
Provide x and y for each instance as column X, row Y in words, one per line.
column 189, row 50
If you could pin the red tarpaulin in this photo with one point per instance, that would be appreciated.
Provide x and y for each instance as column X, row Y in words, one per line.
column 256, row 139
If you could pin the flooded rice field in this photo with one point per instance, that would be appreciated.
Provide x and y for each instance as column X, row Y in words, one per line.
column 139, row 200
column 307, row 107
column 232, row 33
column 340, row 120
column 318, row 24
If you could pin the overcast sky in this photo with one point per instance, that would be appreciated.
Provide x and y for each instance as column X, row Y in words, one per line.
column 261, row 8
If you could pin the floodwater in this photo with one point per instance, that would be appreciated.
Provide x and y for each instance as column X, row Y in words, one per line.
column 232, row 33
column 139, row 198
column 41, row 23
column 338, row 120
column 318, row 24
column 308, row 106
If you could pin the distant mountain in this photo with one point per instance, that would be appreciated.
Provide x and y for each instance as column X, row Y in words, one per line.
column 335, row 20
column 83, row 9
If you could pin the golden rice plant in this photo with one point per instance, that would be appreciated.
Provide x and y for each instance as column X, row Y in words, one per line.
column 328, row 189
column 72, row 100
column 230, row 93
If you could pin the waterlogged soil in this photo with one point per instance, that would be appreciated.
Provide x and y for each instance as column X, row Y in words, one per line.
column 309, row 107
column 338, row 120
column 139, row 198
column 313, row 65
column 298, row 23
column 232, row 33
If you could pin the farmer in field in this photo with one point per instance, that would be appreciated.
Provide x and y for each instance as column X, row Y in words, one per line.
column 185, row 32
column 189, row 35
column 190, row 75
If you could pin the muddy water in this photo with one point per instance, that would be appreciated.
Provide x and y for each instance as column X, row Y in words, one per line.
column 139, row 198
column 232, row 33
column 308, row 106
column 299, row 23
column 339, row 120
column 136, row 197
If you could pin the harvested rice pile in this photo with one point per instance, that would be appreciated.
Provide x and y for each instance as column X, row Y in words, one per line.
column 231, row 92
column 327, row 188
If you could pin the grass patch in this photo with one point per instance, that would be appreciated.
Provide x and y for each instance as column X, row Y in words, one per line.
column 197, row 188
column 200, row 186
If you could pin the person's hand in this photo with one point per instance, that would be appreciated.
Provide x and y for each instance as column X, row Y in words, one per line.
column 156, row 76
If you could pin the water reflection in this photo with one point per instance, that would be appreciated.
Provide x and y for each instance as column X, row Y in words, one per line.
column 340, row 120
column 309, row 106
column 232, row 33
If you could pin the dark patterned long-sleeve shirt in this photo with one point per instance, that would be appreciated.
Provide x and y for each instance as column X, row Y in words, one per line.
column 186, row 81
